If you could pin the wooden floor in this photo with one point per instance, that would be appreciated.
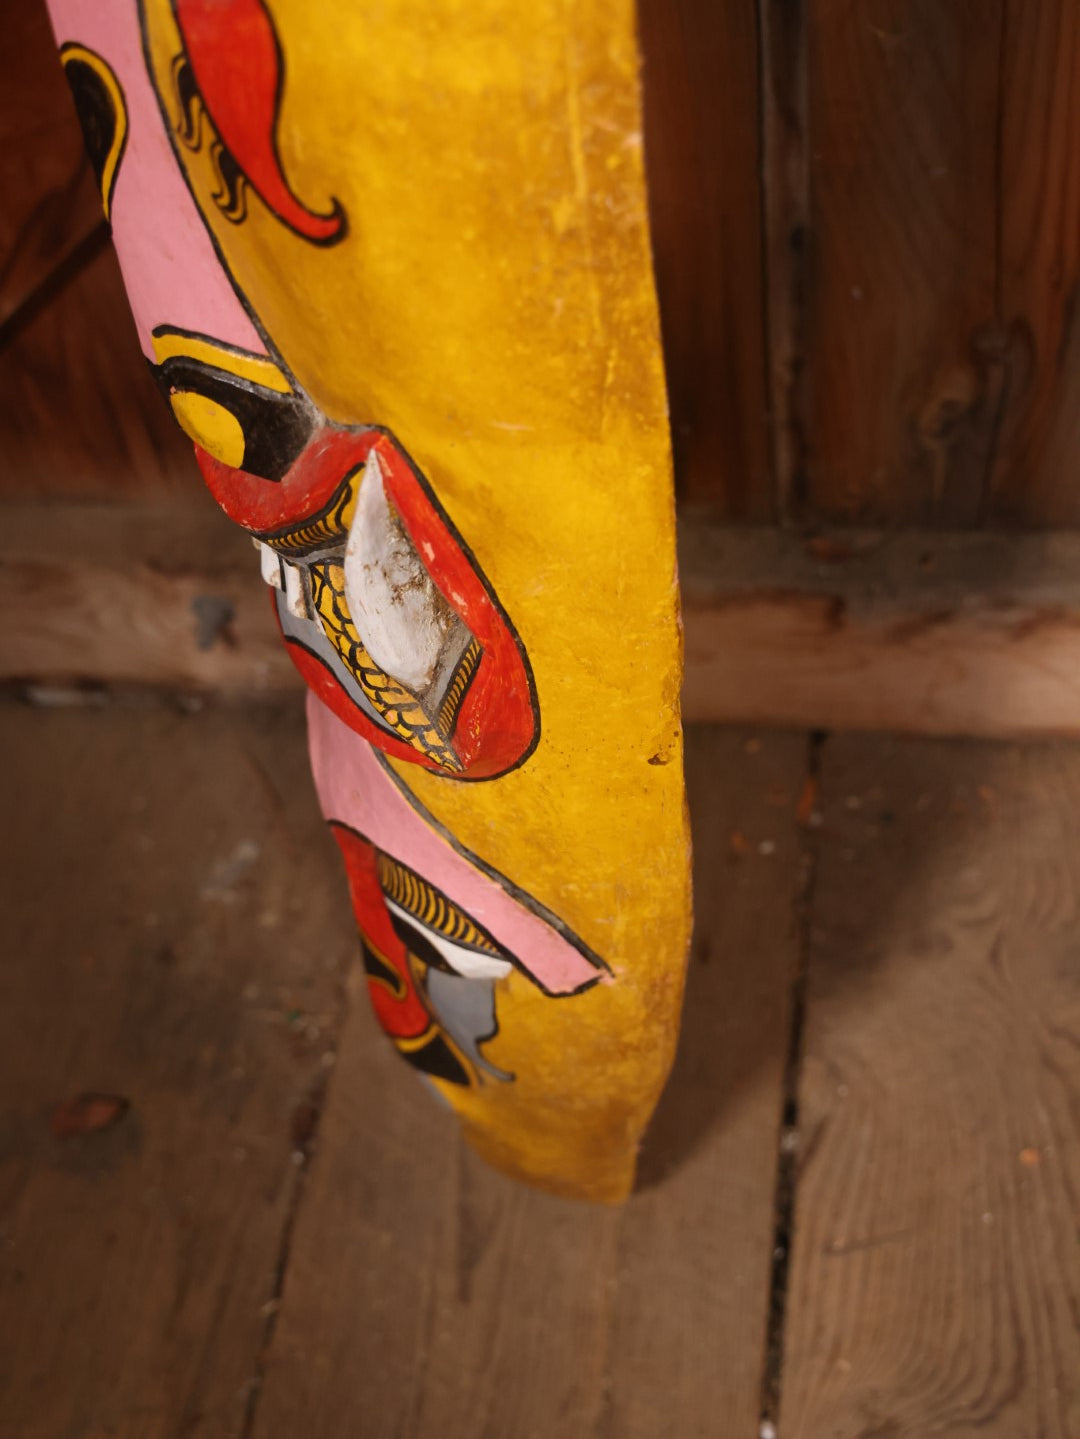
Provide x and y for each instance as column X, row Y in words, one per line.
column 225, row 1213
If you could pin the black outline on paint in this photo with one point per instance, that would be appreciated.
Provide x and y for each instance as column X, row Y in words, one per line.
column 488, row 587
column 336, row 212
column 515, row 892
column 276, row 356
column 75, row 50
column 522, row 896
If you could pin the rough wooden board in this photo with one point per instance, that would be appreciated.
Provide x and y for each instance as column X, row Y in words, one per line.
column 426, row 1294
column 137, row 594
column 150, row 951
column 687, row 1324
column 936, row 1272
column 702, row 149
column 917, row 632
column 80, row 415
column 796, row 659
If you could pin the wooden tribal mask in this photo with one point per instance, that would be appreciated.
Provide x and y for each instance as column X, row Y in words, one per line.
column 389, row 266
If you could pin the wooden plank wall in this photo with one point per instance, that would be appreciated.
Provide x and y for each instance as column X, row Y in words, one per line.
column 866, row 223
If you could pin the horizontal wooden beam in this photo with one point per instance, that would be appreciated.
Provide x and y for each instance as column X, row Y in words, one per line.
column 965, row 634
column 135, row 595
column 925, row 633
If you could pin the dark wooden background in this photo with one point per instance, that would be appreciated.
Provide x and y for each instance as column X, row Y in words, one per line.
column 858, row 1208
column 867, row 227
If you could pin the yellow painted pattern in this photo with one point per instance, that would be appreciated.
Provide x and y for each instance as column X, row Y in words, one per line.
column 259, row 369
column 326, row 529
column 493, row 305
column 420, row 899
column 397, row 706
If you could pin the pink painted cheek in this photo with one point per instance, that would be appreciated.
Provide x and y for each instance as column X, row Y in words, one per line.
column 354, row 789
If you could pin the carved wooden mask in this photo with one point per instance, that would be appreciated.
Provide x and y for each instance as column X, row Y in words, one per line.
column 390, row 267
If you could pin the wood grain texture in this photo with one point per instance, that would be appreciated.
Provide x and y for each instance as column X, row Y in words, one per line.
column 428, row 1295
column 1034, row 478
column 80, row 415
column 903, row 383
column 174, row 935
column 50, row 201
column 936, row 1273
column 702, row 149
column 136, row 594
column 925, row 633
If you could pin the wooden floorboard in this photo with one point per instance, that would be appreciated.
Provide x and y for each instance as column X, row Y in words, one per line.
column 174, row 944
column 426, row 1295
column 935, row 1287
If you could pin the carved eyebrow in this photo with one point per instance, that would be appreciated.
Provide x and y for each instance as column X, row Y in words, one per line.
column 172, row 343
column 102, row 112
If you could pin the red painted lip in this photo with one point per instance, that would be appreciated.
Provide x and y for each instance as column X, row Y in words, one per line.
column 264, row 506
column 497, row 725
column 402, row 1015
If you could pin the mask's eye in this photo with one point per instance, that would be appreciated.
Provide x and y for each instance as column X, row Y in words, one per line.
column 213, row 427
column 99, row 103
column 237, row 407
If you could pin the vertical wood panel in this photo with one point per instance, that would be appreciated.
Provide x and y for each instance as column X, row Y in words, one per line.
column 912, row 327
column 903, row 380
column 703, row 153
column 1036, row 478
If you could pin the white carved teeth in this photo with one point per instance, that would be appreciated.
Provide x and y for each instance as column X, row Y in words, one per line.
column 296, row 592
column 285, row 576
column 269, row 564
column 400, row 615
column 405, row 624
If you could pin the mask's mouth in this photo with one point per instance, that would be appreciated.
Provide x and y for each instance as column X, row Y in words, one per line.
column 385, row 611
column 352, row 586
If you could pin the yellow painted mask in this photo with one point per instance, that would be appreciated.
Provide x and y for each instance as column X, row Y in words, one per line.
column 390, row 266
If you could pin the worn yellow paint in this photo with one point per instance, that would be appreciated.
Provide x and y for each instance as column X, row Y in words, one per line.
column 210, row 425
column 493, row 305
